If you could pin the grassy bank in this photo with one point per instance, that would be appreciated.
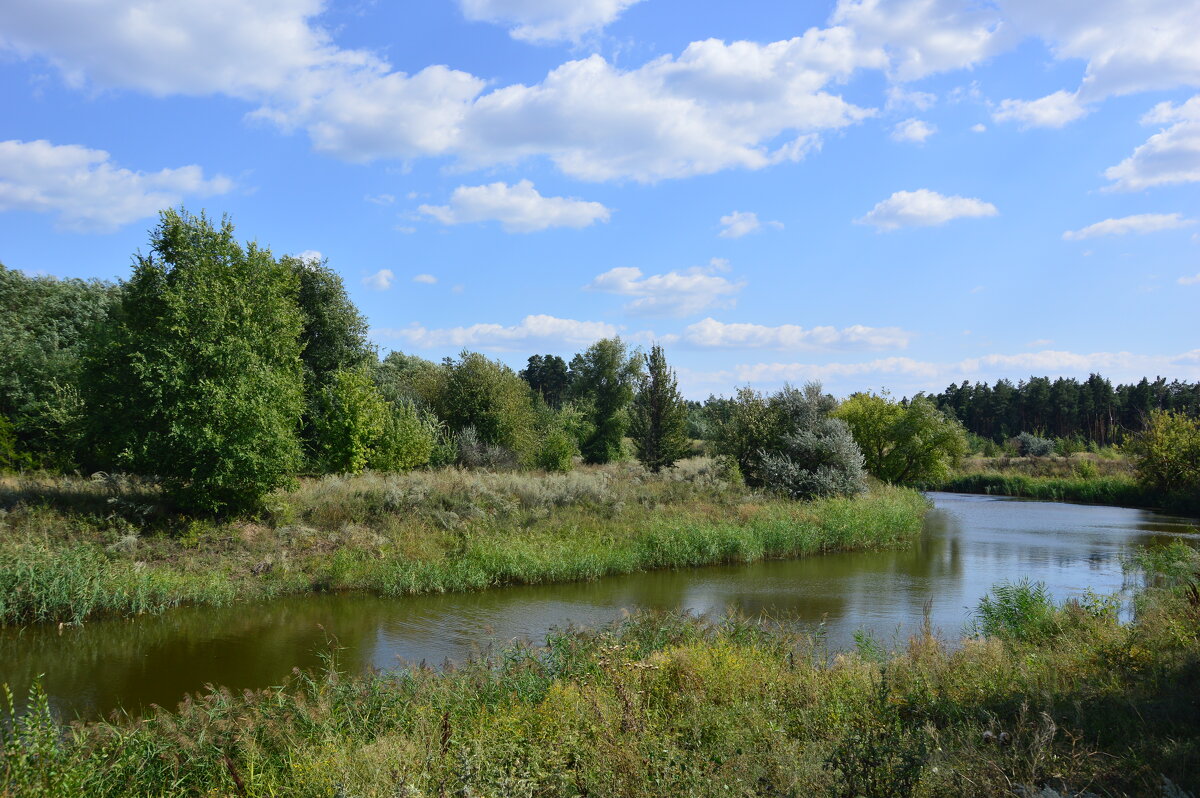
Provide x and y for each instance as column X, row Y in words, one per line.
column 76, row 549
column 1054, row 701
column 1081, row 478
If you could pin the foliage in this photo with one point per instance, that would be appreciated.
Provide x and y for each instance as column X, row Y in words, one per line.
column 603, row 377
column 658, row 416
column 196, row 375
column 488, row 397
column 349, row 421
column 407, row 440
column 548, row 378
column 1016, row 611
column 1167, row 453
column 10, row 458
column 44, row 325
column 903, row 442
column 817, row 455
column 745, row 427
column 402, row 377
column 1028, row 445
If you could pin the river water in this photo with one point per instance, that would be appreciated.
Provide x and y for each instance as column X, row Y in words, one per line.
column 969, row 544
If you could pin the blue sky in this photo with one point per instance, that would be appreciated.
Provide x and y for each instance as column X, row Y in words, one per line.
column 873, row 193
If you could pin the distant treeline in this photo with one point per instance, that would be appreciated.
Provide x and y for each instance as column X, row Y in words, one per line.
column 1093, row 410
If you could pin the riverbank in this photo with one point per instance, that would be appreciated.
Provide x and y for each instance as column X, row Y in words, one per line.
column 1060, row 698
column 1082, row 478
column 77, row 549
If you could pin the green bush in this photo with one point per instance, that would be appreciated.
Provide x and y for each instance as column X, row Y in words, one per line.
column 350, row 421
column 408, row 438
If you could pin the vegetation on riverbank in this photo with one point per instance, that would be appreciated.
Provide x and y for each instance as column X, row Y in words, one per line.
column 1055, row 700
column 74, row 549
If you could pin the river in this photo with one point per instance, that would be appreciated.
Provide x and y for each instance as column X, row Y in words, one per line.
column 969, row 544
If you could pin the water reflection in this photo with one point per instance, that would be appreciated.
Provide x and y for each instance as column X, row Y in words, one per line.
column 969, row 544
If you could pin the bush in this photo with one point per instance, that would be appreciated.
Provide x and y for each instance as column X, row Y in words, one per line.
column 407, row 441
column 349, row 422
column 1020, row 611
column 904, row 442
column 1167, row 453
column 816, row 455
column 1028, row 445
column 557, row 452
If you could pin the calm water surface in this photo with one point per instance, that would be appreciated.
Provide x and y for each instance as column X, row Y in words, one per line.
column 969, row 544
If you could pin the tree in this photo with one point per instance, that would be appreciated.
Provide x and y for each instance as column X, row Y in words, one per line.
column 658, row 417
column 1167, row 453
column 349, row 419
column 903, row 442
column 816, row 455
column 196, row 376
column 602, row 378
column 548, row 377
column 488, row 397
column 408, row 438
column 44, row 324
column 333, row 338
column 402, row 377
column 743, row 429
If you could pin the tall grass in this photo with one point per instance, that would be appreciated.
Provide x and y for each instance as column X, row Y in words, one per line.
column 77, row 550
column 668, row 705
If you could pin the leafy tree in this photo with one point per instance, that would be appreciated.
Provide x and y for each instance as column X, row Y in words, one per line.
column 44, row 325
column 603, row 377
column 743, row 429
column 548, row 377
column 816, row 455
column 196, row 375
column 903, row 442
column 333, row 338
column 1167, row 453
column 489, row 397
column 349, row 420
column 658, row 417
column 10, row 458
column 402, row 377
column 407, row 440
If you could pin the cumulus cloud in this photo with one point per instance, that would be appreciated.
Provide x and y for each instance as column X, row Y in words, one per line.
column 1054, row 110
column 539, row 328
column 546, row 21
column 519, row 208
column 899, row 97
column 923, row 208
column 714, row 334
column 740, row 223
column 676, row 293
column 1169, row 157
column 1140, row 223
column 1193, row 280
column 310, row 254
column 714, row 106
column 87, row 191
column 381, row 280
column 922, row 37
column 913, row 130
column 427, row 279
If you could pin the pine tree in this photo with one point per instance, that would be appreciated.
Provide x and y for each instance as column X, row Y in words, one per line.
column 658, row 416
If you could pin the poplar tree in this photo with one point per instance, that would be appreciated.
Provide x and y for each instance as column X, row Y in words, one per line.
column 658, row 416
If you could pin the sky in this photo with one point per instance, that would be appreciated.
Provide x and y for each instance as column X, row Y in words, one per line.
column 875, row 194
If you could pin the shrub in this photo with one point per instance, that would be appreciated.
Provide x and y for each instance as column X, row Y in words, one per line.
column 1167, row 453
column 1021, row 611
column 407, row 440
column 1028, row 445
column 349, row 422
column 816, row 455
column 904, row 442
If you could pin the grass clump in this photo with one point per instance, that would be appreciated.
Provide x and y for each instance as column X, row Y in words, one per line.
column 1059, row 700
column 76, row 549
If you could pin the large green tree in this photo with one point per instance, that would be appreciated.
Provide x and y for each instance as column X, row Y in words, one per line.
column 658, row 417
column 488, row 397
column 903, row 442
column 1167, row 453
column 548, row 377
column 602, row 380
column 196, row 376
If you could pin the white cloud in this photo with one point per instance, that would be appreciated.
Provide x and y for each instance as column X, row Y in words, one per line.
column 86, row 190
column 543, row 21
column 924, row 208
column 310, row 254
column 380, row 199
column 676, row 293
column 519, row 208
column 1168, row 157
column 1140, row 223
column 922, row 37
column 381, row 280
column 979, row 127
column 899, row 98
column 1193, row 280
column 740, row 223
column 711, row 333
column 913, row 130
column 1054, row 110
column 427, row 279
column 497, row 336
